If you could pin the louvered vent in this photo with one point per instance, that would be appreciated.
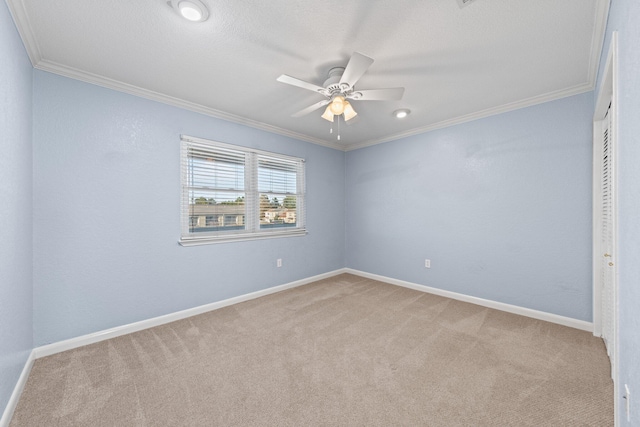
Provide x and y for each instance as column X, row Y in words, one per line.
column 463, row 3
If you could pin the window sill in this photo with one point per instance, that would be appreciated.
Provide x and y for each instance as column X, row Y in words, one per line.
column 210, row 240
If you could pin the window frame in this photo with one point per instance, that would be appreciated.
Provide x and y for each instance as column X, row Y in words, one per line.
column 252, row 229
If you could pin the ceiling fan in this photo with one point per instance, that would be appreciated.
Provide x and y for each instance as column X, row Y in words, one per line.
column 340, row 86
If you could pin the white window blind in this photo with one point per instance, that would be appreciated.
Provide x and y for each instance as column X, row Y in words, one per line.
column 235, row 193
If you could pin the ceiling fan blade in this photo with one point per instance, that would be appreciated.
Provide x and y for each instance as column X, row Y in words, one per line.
column 300, row 83
column 311, row 108
column 357, row 66
column 389, row 94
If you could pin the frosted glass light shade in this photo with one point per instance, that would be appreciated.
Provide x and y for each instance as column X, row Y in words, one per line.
column 349, row 112
column 328, row 115
column 337, row 105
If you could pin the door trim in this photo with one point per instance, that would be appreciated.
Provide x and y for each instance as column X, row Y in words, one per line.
column 607, row 96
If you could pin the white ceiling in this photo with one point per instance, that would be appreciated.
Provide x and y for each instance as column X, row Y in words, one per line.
column 456, row 64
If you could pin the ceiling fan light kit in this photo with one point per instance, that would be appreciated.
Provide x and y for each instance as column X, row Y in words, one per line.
column 192, row 10
column 337, row 107
column 340, row 86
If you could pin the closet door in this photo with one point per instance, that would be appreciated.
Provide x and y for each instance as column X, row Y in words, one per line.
column 607, row 240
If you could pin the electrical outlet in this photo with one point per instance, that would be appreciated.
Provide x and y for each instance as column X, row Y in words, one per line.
column 627, row 403
column 427, row 263
column 279, row 262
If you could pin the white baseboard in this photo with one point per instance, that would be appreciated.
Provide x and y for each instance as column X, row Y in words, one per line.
column 57, row 347
column 17, row 391
column 527, row 312
column 60, row 346
column 49, row 349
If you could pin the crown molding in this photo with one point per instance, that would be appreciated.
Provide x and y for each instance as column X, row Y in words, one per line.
column 23, row 24
column 21, row 19
column 63, row 70
column 597, row 45
column 505, row 108
column 597, row 41
column 76, row 74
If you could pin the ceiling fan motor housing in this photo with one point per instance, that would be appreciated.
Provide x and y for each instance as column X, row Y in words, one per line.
column 332, row 86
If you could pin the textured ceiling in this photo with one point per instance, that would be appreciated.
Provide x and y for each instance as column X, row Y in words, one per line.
column 456, row 64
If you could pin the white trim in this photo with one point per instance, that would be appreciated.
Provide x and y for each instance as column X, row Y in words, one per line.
column 614, row 128
column 17, row 391
column 23, row 25
column 208, row 143
column 76, row 74
column 250, row 158
column 245, row 237
column 597, row 43
column 596, row 234
column 608, row 93
column 522, row 311
column 529, row 102
column 60, row 346
column 21, row 19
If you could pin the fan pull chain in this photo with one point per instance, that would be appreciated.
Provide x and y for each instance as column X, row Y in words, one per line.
column 338, row 128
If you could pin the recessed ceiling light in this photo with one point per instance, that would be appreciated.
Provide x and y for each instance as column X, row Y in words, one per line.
column 401, row 114
column 193, row 10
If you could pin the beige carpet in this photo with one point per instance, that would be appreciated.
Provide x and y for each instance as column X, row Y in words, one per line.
column 342, row 351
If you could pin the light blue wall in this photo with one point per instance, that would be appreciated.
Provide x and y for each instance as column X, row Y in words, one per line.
column 16, row 293
column 624, row 17
column 501, row 206
column 107, row 213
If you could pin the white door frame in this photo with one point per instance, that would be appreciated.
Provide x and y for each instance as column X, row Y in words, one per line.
column 607, row 96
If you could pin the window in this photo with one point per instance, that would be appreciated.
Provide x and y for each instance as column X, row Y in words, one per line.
column 234, row 193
